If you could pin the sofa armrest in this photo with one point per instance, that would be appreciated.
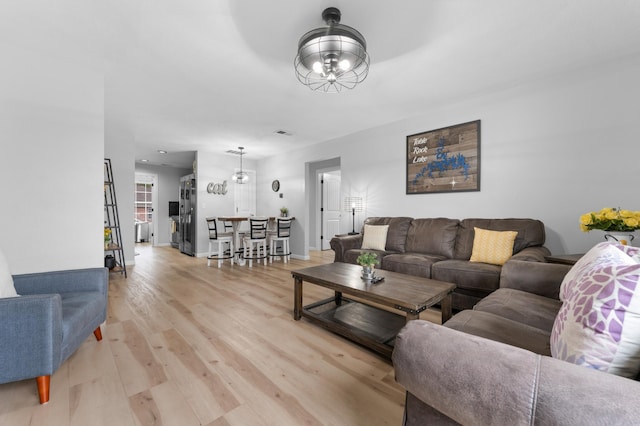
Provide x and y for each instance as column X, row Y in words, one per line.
column 31, row 336
column 473, row 380
column 341, row 244
column 69, row 281
column 532, row 254
column 539, row 278
column 469, row 379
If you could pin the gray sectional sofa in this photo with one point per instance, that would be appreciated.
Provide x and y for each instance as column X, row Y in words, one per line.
column 492, row 365
column 440, row 248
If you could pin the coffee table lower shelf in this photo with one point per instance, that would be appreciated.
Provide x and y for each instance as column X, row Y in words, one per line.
column 366, row 325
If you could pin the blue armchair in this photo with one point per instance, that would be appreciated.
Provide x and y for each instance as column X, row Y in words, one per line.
column 54, row 314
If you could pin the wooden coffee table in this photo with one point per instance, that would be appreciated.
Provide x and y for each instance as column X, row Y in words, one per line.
column 362, row 322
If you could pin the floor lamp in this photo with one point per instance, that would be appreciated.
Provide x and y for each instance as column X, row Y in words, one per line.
column 353, row 205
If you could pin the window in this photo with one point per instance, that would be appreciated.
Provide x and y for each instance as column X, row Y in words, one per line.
column 143, row 202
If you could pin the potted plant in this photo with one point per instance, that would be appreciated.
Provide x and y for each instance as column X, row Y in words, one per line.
column 107, row 238
column 284, row 212
column 368, row 261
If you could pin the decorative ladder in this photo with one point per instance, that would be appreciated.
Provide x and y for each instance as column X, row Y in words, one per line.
column 112, row 221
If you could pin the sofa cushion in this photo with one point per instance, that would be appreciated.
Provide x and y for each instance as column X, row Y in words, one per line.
column 374, row 237
column 432, row 236
column 521, row 306
column 410, row 263
column 7, row 288
column 494, row 247
column 530, row 233
column 500, row 329
column 468, row 275
column 598, row 325
column 541, row 278
column 397, row 233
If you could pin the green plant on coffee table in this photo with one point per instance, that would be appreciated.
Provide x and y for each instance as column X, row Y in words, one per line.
column 367, row 259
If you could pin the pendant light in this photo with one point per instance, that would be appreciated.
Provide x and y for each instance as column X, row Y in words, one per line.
column 241, row 176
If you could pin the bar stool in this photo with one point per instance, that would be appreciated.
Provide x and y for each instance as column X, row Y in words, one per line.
column 280, row 239
column 222, row 239
column 237, row 240
column 228, row 226
column 257, row 236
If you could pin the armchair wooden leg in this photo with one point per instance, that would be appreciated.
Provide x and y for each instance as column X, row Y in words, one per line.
column 97, row 333
column 44, row 383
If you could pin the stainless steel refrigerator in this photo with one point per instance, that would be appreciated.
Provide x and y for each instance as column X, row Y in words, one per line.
column 187, row 223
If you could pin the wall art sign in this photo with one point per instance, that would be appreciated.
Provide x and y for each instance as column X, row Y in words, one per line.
column 217, row 188
column 444, row 160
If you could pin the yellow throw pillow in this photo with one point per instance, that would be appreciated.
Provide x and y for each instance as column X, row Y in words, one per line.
column 375, row 237
column 494, row 247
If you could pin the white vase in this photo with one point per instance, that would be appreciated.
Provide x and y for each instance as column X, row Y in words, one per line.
column 624, row 238
column 368, row 272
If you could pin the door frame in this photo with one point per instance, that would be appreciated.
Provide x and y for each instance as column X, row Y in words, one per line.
column 309, row 222
column 320, row 205
column 153, row 179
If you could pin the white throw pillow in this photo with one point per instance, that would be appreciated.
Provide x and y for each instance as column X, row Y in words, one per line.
column 375, row 237
column 6, row 280
column 598, row 325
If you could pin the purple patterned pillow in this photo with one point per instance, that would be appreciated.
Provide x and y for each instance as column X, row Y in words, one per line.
column 598, row 325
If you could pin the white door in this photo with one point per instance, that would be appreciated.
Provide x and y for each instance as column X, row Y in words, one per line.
column 330, row 207
column 245, row 196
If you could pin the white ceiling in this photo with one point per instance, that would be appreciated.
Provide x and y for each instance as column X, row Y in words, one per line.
column 213, row 75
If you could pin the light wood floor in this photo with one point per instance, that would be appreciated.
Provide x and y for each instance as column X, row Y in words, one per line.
column 185, row 344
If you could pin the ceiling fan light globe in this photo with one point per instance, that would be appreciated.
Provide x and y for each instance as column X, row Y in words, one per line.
column 333, row 57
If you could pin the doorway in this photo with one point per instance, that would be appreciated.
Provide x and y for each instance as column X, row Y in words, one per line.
column 324, row 220
column 313, row 235
column 330, row 206
column 145, row 206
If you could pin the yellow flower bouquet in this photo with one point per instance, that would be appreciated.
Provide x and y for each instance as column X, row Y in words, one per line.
column 611, row 220
column 107, row 235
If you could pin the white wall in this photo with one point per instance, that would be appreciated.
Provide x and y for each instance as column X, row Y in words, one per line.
column 119, row 146
column 550, row 150
column 51, row 141
column 216, row 168
column 290, row 170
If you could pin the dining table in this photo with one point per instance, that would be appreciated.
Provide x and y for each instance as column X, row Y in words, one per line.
column 236, row 222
